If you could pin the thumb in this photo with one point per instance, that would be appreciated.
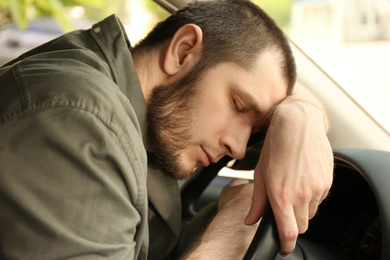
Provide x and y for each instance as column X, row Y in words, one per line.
column 259, row 202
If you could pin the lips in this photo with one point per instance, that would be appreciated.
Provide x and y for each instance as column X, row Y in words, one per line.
column 206, row 158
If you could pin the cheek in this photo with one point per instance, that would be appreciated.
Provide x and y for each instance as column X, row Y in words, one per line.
column 211, row 123
column 212, row 113
column 188, row 156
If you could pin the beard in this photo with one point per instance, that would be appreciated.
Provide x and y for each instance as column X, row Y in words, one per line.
column 170, row 123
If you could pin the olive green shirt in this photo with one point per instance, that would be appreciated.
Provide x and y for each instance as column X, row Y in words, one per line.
column 73, row 163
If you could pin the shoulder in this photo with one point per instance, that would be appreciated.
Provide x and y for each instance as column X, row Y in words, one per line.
column 52, row 81
column 76, row 174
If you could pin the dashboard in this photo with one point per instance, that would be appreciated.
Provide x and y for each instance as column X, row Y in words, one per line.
column 348, row 221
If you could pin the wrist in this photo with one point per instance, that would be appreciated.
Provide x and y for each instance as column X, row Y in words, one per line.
column 300, row 112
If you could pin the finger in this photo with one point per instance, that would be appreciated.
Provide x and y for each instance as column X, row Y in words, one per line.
column 237, row 182
column 313, row 208
column 287, row 228
column 259, row 202
column 302, row 208
column 302, row 217
column 314, row 204
column 324, row 196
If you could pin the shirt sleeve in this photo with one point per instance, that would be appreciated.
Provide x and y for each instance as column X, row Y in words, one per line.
column 62, row 188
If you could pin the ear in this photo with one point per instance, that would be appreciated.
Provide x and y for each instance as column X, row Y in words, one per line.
column 184, row 49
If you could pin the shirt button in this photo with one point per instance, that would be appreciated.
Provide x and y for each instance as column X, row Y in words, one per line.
column 97, row 30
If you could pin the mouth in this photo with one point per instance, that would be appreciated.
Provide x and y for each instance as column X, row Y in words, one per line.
column 206, row 158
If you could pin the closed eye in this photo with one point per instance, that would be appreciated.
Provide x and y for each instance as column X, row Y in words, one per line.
column 237, row 105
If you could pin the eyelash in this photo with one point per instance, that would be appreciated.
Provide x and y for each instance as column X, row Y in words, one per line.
column 235, row 104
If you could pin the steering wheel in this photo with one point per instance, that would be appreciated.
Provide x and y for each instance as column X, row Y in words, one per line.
column 265, row 244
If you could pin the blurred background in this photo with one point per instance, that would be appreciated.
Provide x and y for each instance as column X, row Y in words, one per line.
column 348, row 39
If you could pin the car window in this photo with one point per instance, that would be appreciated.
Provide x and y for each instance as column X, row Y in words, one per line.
column 349, row 40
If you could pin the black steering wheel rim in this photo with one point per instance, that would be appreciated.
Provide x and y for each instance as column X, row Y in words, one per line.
column 265, row 243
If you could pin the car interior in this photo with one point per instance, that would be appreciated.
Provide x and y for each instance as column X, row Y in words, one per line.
column 353, row 222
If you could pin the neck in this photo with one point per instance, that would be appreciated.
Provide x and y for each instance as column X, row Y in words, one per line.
column 149, row 70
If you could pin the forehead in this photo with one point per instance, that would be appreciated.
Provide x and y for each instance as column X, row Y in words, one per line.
column 266, row 80
column 261, row 87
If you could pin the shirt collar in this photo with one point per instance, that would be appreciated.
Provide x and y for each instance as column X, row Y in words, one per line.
column 111, row 37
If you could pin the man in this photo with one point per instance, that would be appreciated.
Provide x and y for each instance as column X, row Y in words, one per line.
column 82, row 115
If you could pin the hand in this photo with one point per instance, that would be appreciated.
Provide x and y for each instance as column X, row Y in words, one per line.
column 227, row 237
column 236, row 196
column 295, row 170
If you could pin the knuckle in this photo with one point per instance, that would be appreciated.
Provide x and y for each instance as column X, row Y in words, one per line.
column 304, row 195
column 319, row 191
column 282, row 195
column 289, row 235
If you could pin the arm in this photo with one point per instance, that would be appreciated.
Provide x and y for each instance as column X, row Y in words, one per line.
column 295, row 169
column 62, row 188
column 304, row 95
column 227, row 237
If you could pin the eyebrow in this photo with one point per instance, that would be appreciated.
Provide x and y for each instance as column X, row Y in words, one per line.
column 249, row 101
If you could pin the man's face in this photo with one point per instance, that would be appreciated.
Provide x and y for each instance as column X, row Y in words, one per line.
column 193, row 125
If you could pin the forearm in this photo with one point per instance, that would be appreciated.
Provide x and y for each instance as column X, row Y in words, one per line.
column 227, row 237
column 304, row 98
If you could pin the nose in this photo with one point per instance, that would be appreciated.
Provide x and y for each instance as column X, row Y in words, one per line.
column 235, row 140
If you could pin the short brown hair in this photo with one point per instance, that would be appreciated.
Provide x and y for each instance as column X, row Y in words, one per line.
column 233, row 31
